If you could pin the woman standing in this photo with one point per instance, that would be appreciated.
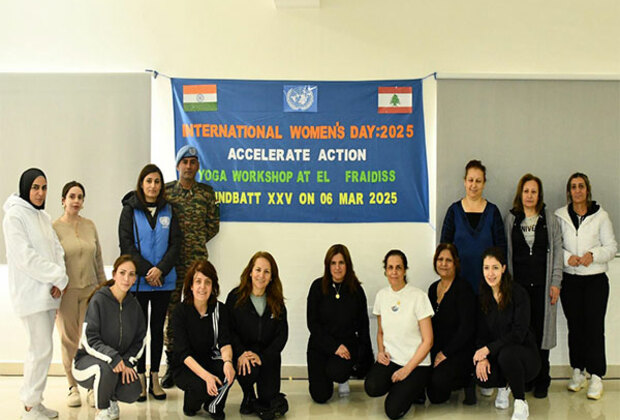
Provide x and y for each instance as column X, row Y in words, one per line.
column 404, row 340
column 202, row 364
column 337, row 317
column 149, row 231
column 79, row 239
column 37, row 278
column 112, row 342
column 589, row 244
column 259, row 331
column 453, row 332
column 507, row 354
column 473, row 224
column 535, row 261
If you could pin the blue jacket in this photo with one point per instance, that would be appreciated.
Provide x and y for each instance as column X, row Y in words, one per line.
column 153, row 241
column 471, row 243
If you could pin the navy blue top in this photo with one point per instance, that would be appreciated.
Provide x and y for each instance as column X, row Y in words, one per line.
column 470, row 242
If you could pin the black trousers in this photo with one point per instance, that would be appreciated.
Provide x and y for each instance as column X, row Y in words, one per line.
column 584, row 300
column 325, row 369
column 196, row 389
column 400, row 394
column 538, row 295
column 266, row 377
column 514, row 365
column 451, row 374
column 159, row 305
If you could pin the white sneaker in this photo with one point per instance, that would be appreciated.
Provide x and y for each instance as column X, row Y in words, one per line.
column 486, row 392
column 103, row 415
column 595, row 390
column 90, row 398
column 33, row 414
column 73, row 399
column 501, row 401
column 521, row 410
column 343, row 389
column 113, row 410
column 47, row 412
column 578, row 381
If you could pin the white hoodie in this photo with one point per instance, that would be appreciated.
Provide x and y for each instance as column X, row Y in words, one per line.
column 595, row 235
column 34, row 255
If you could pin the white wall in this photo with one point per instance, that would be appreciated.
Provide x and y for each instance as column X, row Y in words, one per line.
column 342, row 40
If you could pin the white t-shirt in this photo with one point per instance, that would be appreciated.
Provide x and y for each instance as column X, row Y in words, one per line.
column 400, row 312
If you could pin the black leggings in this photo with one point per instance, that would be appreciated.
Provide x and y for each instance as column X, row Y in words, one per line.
column 453, row 373
column 196, row 389
column 266, row 377
column 159, row 304
column 515, row 364
column 323, row 371
column 538, row 295
column 400, row 394
column 584, row 299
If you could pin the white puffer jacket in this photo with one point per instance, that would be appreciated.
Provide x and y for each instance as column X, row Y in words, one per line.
column 34, row 255
column 595, row 235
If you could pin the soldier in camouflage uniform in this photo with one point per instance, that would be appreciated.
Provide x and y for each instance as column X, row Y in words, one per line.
column 198, row 213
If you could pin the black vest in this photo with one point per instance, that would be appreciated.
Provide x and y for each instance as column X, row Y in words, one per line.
column 530, row 266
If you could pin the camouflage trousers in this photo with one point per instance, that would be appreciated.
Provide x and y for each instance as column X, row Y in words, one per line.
column 175, row 299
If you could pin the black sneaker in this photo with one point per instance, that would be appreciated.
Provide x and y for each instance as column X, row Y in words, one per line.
column 247, row 404
column 541, row 390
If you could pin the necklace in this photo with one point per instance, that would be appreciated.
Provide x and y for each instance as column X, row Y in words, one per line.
column 337, row 289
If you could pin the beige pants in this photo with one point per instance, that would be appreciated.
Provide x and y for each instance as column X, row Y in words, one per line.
column 69, row 323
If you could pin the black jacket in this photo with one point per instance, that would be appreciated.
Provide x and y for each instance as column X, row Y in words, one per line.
column 127, row 241
column 454, row 323
column 333, row 322
column 263, row 335
column 510, row 326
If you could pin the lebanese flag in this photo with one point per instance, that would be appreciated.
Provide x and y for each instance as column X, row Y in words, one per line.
column 395, row 100
column 200, row 97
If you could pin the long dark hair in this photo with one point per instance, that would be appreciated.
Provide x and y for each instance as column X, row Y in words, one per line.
column 274, row 294
column 505, row 285
column 117, row 263
column 350, row 279
column 149, row 169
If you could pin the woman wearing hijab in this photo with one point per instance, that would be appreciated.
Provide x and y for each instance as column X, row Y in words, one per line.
column 37, row 279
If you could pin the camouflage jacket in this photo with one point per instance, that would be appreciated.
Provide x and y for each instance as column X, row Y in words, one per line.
column 198, row 213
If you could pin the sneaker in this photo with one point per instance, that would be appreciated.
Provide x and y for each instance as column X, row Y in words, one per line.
column 521, row 410
column 103, row 415
column 595, row 390
column 90, row 398
column 486, row 392
column 344, row 389
column 33, row 414
column 73, row 399
column 113, row 410
column 578, row 380
column 501, row 401
column 541, row 390
column 47, row 412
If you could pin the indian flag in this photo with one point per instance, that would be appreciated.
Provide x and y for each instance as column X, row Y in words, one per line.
column 200, row 98
column 395, row 100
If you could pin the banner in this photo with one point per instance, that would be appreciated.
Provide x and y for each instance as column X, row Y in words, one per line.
column 287, row 151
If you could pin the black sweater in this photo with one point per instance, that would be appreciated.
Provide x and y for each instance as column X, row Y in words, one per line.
column 333, row 322
column 199, row 337
column 454, row 322
column 263, row 335
column 497, row 329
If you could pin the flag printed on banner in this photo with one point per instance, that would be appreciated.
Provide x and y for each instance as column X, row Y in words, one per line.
column 395, row 100
column 199, row 98
column 300, row 98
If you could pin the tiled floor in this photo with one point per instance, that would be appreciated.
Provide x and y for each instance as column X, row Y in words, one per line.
column 560, row 404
